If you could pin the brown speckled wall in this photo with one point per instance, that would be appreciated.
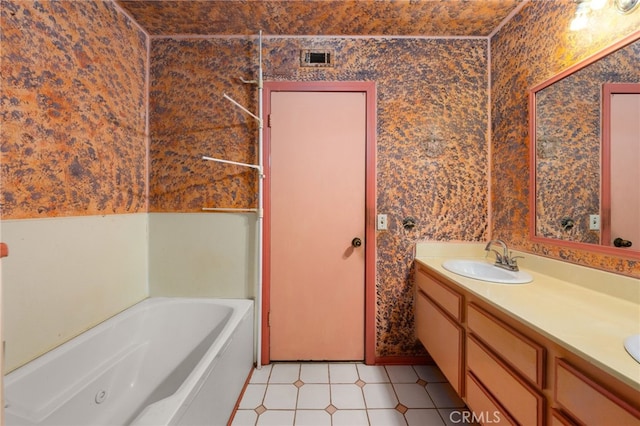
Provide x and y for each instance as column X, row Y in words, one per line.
column 324, row 17
column 535, row 45
column 73, row 110
column 189, row 118
column 431, row 140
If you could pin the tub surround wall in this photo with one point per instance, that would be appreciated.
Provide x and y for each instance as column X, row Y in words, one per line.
column 74, row 169
column 202, row 255
column 78, row 272
column 427, row 89
column 534, row 46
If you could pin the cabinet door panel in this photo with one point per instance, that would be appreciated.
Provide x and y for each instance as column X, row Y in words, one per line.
column 522, row 402
column 559, row 419
column 483, row 405
column 519, row 351
column 589, row 402
column 442, row 338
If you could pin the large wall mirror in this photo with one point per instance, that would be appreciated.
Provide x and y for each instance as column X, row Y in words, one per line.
column 585, row 153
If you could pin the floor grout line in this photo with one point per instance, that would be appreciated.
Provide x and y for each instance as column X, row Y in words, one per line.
column 381, row 375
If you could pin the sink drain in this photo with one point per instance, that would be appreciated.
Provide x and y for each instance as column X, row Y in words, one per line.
column 101, row 396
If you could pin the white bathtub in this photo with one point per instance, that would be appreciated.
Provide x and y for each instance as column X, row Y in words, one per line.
column 164, row 361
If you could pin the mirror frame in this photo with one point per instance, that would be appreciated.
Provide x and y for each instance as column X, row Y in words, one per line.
column 596, row 248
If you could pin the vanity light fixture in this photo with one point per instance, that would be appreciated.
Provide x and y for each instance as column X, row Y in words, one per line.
column 581, row 18
column 626, row 6
column 584, row 7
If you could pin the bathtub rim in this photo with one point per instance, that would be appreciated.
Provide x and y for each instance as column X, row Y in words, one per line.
column 9, row 377
column 240, row 309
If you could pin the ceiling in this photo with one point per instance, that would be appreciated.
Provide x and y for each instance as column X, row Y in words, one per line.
column 320, row 17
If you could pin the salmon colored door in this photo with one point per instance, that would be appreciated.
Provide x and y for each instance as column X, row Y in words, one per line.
column 625, row 167
column 317, row 225
column 621, row 163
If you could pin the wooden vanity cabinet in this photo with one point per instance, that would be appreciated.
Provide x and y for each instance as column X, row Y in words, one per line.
column 483, row 401
column 513, row 394
column 559, row 419
column 438, row 314
column 589, row 402
column 499, row 365
column 508, row 364
column 521, row 353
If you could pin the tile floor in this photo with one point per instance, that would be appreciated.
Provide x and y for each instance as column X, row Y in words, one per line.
column 350, row 394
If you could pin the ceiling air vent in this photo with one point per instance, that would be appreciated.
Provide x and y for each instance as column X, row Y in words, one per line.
column 316, row 58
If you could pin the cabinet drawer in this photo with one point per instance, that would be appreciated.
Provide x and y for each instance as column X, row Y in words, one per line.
column 519, row 399
column 448, row 299
column 442, row 338
column 559, row 419
column 484, row 408
column 588, row 401
column 516, row 349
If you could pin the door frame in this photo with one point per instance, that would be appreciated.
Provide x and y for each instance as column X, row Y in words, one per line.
column 608, row 89
column 369, row 89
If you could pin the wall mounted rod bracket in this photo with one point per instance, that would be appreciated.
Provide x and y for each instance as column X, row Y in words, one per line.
column 235, row 163
column 230, row 99
column 249, row 81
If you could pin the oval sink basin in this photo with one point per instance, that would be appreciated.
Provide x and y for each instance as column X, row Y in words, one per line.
column 632, row 345
column 485, row 271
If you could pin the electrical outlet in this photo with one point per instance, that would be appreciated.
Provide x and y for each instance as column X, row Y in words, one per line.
column 594, row 222
column 382, row 222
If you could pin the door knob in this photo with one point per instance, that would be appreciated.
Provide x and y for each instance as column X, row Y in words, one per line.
column 356, row 242
column 619, row 242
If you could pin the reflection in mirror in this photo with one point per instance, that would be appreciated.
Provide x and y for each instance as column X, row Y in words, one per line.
column 586, row 153
column 627, row 6
column 621, row 164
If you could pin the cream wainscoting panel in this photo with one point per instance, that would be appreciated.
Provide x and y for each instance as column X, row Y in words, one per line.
column 67, row 274
column 202, row 254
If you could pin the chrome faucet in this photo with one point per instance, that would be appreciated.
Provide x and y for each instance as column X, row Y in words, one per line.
column 504, row 260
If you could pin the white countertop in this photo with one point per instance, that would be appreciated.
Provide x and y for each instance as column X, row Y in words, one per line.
column 587, row 311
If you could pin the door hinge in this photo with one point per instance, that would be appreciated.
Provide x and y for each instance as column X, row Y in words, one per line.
column 269, row 319
column 269, row 120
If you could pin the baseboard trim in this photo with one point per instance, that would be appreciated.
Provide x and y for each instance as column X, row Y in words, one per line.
column 404, row 360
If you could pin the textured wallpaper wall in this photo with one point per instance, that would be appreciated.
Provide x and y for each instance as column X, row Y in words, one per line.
column 74, row 110
column 535, row 45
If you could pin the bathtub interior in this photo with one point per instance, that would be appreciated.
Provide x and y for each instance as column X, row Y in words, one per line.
column 109, row 374
column 214, row 386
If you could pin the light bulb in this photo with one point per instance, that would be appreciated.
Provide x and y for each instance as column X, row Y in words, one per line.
column 581, row 19
column 579, row 22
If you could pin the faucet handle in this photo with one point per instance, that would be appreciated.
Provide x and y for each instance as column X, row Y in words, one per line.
column 512, row 260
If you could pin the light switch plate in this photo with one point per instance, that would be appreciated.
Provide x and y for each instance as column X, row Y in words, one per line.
column 382, row 222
